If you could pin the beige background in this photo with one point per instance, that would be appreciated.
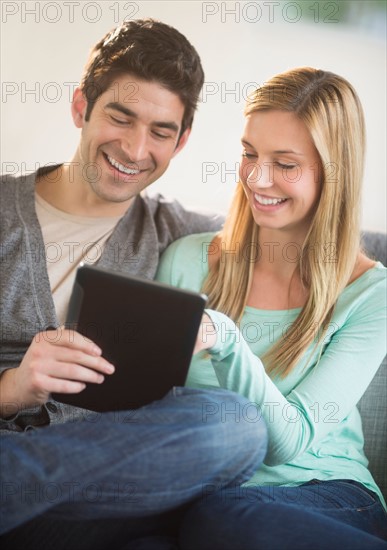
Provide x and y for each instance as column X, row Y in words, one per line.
column 45, row 45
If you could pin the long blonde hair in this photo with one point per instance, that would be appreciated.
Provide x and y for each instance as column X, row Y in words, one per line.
column 331, row 110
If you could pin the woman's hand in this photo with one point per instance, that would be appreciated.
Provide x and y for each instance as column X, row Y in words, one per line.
column 206, row 337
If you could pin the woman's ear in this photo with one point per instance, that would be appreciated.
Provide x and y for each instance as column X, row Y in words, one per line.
column 78, row 108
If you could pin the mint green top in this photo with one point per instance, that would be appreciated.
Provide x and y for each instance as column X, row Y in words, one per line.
column 314, row 426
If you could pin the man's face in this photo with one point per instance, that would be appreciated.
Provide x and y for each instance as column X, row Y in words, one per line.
column 129, row 139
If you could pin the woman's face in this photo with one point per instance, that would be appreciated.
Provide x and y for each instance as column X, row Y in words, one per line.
column 280, row 170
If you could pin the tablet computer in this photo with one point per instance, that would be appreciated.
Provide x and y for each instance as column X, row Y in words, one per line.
column 147, row 330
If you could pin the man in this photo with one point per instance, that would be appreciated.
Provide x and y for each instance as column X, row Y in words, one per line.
column 135, row 110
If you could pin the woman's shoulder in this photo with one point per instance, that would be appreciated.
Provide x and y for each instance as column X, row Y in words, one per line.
column 363, row 264
column 191, row 245
column 185, row 262
column 367, row 286
column 368, row 275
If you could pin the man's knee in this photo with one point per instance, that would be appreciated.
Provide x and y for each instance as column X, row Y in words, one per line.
column 240, row 420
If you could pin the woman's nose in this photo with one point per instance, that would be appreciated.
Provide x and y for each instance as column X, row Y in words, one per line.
column 261, row 175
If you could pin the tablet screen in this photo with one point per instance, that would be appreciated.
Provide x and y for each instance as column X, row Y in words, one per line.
column 146, row 329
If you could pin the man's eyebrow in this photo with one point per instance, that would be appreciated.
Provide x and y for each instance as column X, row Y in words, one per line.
column 128, row 112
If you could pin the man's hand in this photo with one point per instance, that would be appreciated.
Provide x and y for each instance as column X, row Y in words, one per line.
column 61, row 361
column 206, row 337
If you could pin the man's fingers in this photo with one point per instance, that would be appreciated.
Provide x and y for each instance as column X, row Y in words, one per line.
column 58, row 385
column 77, row 373
column 79, row 358
column 72, row 339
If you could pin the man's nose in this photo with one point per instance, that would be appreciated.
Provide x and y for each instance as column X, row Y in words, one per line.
column 135, row 145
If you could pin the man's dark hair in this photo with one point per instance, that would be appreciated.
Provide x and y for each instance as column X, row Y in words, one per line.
column 151, row 51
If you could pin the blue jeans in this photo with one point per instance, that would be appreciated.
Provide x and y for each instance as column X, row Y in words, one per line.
column 319, row 515
column 137, row 470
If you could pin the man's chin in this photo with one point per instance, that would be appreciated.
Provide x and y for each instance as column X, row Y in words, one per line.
column 113, row 193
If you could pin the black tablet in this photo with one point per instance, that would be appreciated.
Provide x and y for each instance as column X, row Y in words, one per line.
column 147, row 330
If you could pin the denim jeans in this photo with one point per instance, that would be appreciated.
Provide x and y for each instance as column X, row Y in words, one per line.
column 318, row 515
column 131, row 471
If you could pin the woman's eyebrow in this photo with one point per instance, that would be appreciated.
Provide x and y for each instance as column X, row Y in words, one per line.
column 284, row 151
column 245, row 142
column 277, row 151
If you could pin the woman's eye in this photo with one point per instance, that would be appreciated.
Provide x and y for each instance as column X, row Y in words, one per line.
column 286, row 166
column 249, row 155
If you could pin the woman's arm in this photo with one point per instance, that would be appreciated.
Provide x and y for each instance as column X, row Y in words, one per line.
column 325, row 397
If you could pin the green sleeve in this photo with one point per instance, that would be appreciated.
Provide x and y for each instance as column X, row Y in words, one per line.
column 321, row 397
column 347, row 365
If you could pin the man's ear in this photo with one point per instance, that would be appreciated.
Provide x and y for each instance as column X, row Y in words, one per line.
column 78, row 108
column 182, row 141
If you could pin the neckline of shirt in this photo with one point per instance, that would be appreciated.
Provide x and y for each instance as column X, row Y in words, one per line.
column 83, row 220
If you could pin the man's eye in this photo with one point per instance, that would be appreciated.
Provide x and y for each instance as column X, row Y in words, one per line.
column 118, row 120
column 160, row 136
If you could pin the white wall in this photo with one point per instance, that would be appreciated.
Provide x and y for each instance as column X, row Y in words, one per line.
column 45, row 45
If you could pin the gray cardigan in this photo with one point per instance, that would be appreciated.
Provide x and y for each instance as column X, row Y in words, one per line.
column 27, row 307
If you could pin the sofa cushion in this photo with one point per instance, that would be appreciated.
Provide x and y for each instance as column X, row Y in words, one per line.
column 373, row 404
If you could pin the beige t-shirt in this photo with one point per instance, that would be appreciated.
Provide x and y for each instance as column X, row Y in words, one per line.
column 69, row 241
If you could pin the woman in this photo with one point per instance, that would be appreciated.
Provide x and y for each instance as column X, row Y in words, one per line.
column 288, row 270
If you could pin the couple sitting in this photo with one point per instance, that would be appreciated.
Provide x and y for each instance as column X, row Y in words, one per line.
column 291, row 338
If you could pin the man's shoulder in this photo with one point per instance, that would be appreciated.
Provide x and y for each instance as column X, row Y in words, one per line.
column 16, row 194
column 157, row 202
column 8, row 179
column 13, row 179
column 172, row 213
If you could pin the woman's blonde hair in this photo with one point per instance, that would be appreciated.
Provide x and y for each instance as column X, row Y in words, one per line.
column 330, row 108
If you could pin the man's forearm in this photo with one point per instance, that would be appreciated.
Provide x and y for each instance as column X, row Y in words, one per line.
column 9, row 403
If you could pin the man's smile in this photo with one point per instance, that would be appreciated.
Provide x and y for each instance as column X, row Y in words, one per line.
column 120, row 167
